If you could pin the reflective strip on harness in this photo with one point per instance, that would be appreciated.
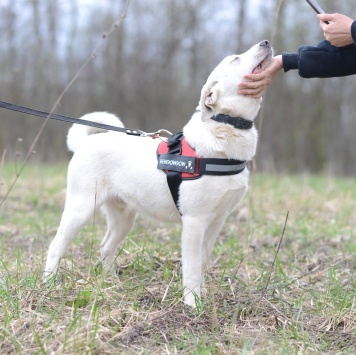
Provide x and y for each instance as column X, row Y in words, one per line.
column 224, row 168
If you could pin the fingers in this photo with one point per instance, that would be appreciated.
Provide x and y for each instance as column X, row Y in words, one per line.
column 325, row 20
column 325, row 17
column 323, row 25
column 249, row 84
column 254, row 77
column 251, row 89
column 254, row 94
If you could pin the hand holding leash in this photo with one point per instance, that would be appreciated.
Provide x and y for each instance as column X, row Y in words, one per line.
column 338, row 29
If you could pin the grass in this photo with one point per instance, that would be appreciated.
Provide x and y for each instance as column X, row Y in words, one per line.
column 308, row 306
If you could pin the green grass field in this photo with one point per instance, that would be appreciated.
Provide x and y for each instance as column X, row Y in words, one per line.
column 305, row 304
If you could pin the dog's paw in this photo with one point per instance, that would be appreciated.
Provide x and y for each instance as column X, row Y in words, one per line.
column 101, row 269
column 49, row 278
column 203, row 290
column 192, row 299
column 190, row 302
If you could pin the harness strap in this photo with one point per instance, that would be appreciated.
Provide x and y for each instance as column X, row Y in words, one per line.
column 174, row 178
column 213, row 166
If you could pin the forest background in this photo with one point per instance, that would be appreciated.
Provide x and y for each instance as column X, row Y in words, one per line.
column 150, row 72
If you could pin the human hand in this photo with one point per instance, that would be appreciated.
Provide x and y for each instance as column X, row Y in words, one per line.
column 256, row 84
column 338, row 31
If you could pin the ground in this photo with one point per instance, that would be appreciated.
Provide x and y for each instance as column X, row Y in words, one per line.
column 260, row 298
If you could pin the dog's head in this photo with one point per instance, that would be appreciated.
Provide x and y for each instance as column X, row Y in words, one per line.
column 220, row 93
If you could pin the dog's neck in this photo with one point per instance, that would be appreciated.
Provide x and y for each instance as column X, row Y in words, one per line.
column 213, row 139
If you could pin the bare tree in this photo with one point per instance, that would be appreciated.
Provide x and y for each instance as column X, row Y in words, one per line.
column 152, row 70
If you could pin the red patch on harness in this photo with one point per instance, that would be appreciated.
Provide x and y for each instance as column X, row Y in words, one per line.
column 186, row 151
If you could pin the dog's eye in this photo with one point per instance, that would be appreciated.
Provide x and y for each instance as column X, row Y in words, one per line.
column 236, row 59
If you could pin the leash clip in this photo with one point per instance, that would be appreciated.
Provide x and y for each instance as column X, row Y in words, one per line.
column 159, row 134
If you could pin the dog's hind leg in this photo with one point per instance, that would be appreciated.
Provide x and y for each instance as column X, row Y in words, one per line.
column 120, row 219
column 76, row 214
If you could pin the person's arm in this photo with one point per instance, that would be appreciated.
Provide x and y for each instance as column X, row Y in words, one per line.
column 353, row 31
column 322, row 61
column 340, row 30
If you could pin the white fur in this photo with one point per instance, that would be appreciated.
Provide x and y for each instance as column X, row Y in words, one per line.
column 78, row 133
column 119, row 174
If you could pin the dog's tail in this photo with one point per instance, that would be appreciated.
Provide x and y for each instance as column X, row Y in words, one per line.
column 77, row 133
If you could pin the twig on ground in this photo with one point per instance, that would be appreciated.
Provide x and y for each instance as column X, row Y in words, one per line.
column 273, row 263
column 275, row 257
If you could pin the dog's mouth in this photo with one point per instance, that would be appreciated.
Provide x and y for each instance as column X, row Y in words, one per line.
column 262, row 65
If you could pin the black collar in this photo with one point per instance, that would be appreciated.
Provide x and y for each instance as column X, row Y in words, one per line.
column 237, row 122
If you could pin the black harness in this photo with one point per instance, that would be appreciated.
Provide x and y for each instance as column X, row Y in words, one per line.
column 180, row 162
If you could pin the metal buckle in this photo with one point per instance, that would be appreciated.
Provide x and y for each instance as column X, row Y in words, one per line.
column 158, row 134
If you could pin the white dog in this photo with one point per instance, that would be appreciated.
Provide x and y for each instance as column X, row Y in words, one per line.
column 119, row 173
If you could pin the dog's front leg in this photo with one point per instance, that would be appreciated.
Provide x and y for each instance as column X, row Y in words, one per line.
column 192, row 240
column 210, row 236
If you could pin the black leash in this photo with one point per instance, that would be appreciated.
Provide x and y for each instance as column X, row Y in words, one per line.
column 237, row 122
column 55, row 116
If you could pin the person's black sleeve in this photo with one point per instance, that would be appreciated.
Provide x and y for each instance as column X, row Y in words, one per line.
column 353, row 31
column 323, row 61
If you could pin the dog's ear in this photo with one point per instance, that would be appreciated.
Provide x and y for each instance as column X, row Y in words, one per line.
column 208, row 98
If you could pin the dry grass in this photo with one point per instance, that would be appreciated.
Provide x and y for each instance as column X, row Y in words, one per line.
column 308, row 307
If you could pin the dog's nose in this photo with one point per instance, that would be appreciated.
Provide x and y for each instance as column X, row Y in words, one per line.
column 264, row 43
